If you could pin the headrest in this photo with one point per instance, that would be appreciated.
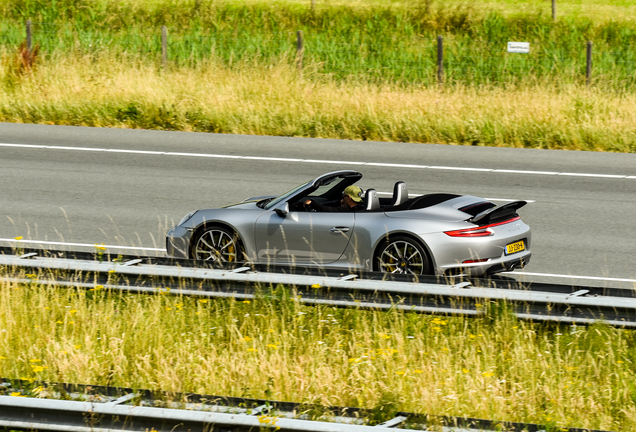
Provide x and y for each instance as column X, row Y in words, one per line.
column 372, row 202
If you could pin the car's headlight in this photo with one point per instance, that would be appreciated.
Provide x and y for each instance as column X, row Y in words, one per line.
column 187, row 218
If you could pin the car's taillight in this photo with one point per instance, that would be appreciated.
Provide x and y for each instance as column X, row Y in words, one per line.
column 475, row 261
column 471, row 232
column 480, row 231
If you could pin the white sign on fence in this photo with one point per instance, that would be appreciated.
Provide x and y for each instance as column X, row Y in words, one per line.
column 519, row 47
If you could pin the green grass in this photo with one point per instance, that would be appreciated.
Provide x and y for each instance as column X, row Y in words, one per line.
column 273, row 347
column 370, row 40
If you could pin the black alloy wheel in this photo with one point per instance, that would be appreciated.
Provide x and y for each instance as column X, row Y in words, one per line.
column 218, row 244
column 402, row 255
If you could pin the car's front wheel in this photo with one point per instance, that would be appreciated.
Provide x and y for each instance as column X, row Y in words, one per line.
column 401, row 254
column 218, row 244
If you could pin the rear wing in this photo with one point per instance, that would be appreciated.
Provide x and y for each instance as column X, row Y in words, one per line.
column 498, row 213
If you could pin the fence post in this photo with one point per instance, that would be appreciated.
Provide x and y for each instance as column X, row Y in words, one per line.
column 554, row 12
column 588, row 65
column 29, row 41
column 299, row 51
column 164, row 46
column 440, row 60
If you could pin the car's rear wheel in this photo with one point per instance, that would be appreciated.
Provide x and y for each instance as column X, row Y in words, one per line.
column 401, row 254
column 218, row 244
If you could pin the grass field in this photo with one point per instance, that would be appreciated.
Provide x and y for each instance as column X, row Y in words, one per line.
column 369, row 69
column 490, row 367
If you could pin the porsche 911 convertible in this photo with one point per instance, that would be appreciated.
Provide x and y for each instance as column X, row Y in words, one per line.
column 434, row 234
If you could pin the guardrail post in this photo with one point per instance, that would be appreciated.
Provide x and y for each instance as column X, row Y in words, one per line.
column 29, row 41
column 299, row 52
column 588, row 65
column 440, row 60
column 164, row 46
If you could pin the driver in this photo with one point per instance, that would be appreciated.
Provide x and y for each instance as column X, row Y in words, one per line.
column 351, row 202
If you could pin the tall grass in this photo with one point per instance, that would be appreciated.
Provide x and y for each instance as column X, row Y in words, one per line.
column 273, row 347
column 371, row 40
column 254, row 99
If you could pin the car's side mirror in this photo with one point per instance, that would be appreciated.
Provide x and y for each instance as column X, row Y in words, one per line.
column 282, row 209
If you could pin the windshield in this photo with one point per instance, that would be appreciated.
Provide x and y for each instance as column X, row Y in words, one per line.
column 286, row 195
column 327, row 187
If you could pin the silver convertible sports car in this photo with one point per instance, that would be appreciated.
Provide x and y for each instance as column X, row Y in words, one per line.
column 436, row 234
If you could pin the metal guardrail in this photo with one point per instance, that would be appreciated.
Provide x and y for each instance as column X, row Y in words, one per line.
column 576, row 305
column 100, row 409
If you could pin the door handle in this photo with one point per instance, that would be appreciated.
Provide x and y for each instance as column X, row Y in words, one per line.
column 339, row 229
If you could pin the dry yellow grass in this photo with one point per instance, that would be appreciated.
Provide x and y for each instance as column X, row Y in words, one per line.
column 492, row 367
column 272, row 100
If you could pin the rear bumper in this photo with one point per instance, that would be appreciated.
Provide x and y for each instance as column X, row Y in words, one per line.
column 489, row 267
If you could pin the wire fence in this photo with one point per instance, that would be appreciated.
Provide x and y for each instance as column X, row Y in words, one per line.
column 413, row 60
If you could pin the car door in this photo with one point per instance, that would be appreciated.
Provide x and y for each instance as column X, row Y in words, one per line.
column 302, row 237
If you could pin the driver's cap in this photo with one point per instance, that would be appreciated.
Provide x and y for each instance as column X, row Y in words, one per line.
column 354, row 192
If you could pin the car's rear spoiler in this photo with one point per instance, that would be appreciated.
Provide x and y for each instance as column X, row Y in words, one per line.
column 498, row 213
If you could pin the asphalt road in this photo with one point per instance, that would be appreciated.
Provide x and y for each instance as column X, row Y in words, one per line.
column 583, row 213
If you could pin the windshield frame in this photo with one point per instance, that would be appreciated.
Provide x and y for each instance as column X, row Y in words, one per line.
column 311, row 185
column 273, row 203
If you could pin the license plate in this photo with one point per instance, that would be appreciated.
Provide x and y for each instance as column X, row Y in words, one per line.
column 515, row 247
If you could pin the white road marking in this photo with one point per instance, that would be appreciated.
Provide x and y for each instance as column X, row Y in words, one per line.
column 571, row 276
column 592, row 175
column 94, row 245
column 135, row 151
column 202, row 155
column 314, row 161
column 396, row 165
column 525, row 172
column 334, row 162
column 461, row 168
